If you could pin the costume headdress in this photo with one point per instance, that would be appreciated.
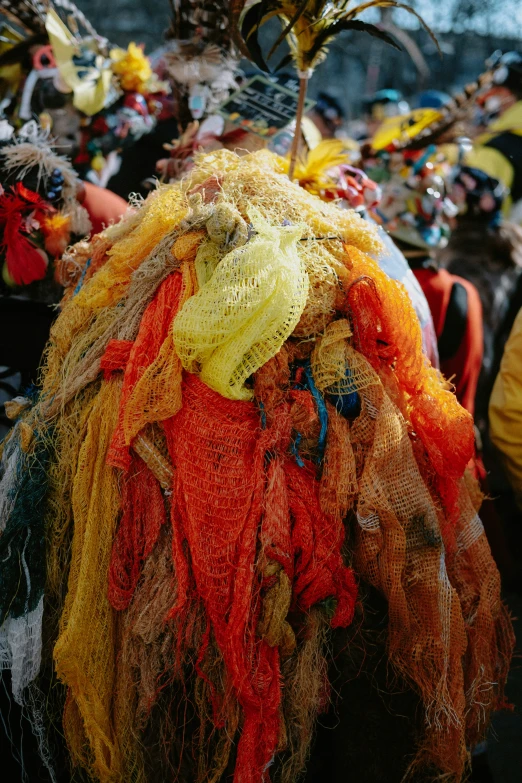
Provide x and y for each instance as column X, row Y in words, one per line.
column 40, row 213
column 233, row 386
column 63, row 63
column 415, row 174
column 427, row 125
column 199, row 58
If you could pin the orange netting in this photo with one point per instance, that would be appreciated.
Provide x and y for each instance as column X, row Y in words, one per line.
column 138, row 529
column 151, row 388
column 388, row 333
column 219, row 491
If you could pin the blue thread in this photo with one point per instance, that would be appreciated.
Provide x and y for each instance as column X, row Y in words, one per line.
column 294, row 448
column 321, row 409
column 82, row 276
column 346, row 402
column 263, row 415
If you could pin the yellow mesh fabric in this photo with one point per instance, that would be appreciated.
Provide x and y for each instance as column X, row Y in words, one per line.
column 242, row 316
column 85, row 652
column 159, row 215
column 207, row 259
column 69, row 433
column 337, row 367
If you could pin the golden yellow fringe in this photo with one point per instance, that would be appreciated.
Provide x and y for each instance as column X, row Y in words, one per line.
column 85, row 652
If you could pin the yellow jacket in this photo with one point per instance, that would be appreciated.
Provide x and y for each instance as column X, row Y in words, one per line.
column 505, row 408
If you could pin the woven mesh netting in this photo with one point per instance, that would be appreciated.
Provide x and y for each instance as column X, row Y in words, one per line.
column 236, row 424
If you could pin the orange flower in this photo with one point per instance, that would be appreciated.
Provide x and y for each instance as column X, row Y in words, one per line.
column 57, row 233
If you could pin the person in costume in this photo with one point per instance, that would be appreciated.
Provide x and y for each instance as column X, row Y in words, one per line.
column 238, row 437
column 487, row 251
column 95, row 99
column 498, row 150
column 240, row 331
column 40, row 215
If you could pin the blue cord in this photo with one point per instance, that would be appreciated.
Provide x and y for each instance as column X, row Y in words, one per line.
column 321, row 409
column 263, row 415
column 294, row 448
column 82, row 276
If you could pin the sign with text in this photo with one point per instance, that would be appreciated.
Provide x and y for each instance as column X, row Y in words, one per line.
column 262, row 106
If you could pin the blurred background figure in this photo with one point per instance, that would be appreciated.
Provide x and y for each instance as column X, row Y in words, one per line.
column 487, row 251
column 505, row 409
column 380, row 106
column 327, row 115
column 498, row 150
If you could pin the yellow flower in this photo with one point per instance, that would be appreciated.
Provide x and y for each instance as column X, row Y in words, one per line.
column 132, row 67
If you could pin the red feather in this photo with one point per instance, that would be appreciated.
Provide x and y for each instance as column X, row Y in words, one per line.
column 25, row 263
column 30, row 196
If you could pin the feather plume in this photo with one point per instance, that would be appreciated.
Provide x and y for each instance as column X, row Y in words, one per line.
column 311, row 172
column 307, row 25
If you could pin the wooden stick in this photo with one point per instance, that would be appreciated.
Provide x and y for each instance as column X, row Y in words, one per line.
column 303, row 85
